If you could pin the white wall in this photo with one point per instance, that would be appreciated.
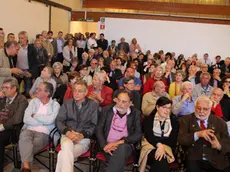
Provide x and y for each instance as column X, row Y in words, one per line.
column 19, row 15
column 180, row 37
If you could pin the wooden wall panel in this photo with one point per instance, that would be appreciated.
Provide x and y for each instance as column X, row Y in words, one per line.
column 159, row 6
column 96, row 16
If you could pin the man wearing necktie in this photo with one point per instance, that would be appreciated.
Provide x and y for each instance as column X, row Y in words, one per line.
column 205, row 138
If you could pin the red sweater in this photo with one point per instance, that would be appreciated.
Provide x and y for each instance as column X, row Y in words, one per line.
column 218, row 111
column 148, row 86
column 106, row 95
column 68, row 93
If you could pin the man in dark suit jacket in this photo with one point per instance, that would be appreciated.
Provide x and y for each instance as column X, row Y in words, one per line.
column 123, row 46
column 27, row 61
column 205, row 138
column 192, row 77
column 215, row 80
column 118, row 130
column 12, row 108
column 102, row 42
column 114, row 75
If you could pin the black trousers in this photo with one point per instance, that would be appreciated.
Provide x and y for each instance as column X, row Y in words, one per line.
column 5, row 137
column 200, row 165
column 117, row 162
column 155, row 165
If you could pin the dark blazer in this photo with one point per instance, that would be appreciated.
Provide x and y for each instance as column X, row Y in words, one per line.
column 114, row 79
column 196, row 150
column 211, row 82
column 54, row 43
column 16, row 111
column 33, row 61
column 153, row 140
column 103, row 44
column 123, row 46
column 224, row 103
column 168, row 79
column 133, row 126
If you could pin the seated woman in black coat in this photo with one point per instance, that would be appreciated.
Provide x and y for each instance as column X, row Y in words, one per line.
column 161, row 129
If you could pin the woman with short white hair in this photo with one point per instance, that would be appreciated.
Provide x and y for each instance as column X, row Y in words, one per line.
column 98, row 91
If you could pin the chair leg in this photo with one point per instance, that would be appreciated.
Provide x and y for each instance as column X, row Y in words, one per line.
column 51, row 160
column 90, row 163
column 15, row 156
column 98, row 167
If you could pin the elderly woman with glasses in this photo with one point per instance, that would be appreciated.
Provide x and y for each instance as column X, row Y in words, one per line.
column 98, row 91
column 161, row 130
column 61, row 81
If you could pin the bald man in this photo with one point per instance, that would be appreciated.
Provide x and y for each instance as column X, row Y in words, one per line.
column 150, row 98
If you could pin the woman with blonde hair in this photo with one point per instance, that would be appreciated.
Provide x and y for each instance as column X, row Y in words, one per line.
column 134, row 47
column 175, row 87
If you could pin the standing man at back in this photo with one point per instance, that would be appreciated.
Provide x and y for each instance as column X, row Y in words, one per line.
column 27, row 61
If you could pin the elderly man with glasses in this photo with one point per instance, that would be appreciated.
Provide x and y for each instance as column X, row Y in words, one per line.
column 118, row 130
column 12, row 107
column 38, row 121
column 206, row 139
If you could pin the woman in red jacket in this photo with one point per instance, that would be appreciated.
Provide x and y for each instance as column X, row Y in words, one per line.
column 98, row 91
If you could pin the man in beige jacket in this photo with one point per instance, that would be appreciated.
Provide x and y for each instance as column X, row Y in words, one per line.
column 7, row 67
column 150, row 99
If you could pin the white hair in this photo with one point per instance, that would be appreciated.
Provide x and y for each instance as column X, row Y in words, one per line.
column 101, row 76
column 186, row 83
column 204, row 99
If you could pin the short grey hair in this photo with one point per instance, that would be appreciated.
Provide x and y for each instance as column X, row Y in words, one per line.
column 12, row 81
column 186, row 83
column 101, row 76
column 23, row 33
column 204, row 99
column 57, row 64
column 48, row 88
column 205, row 74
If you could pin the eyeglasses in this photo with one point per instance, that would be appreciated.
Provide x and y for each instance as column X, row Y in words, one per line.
column 78, row 91
column 39, row 89
column 202, row 109
column 5, row 87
